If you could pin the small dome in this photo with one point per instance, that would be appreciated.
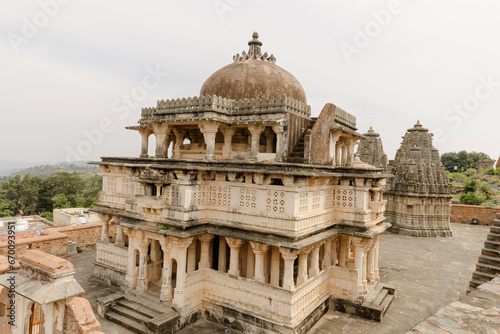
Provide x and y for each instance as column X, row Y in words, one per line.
column 253, row 75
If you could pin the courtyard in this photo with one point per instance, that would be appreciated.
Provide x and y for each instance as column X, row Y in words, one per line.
column 429, row 273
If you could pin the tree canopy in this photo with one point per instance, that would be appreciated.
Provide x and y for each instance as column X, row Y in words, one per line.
column 36, row 195
column 463, row 160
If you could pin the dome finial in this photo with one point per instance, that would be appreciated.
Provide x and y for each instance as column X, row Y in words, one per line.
column 255, row 40
column 254, row 51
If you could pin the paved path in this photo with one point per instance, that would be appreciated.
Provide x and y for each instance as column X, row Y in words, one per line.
column 429, row 273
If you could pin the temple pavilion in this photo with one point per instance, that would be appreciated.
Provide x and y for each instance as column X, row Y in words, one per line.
column 251, row 212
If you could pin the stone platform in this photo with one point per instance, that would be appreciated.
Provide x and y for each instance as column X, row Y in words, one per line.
column 429, row 274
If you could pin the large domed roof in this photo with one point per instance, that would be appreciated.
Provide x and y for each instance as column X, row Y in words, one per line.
column 253, row 75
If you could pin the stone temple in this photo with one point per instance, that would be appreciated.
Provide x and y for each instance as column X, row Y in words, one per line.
column 371, row 151
column 419, row 194
column 223, row 223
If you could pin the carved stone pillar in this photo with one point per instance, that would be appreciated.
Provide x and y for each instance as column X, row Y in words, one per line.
column 228, row 138
column 130, row 276
column 333, row 148
column 289, row 256
column 250, row 270
column 209, row 130
column 260, row 251
column 142, row 279
column 359, row 254
column 350, row 159
column 235, row 245
column 338, row 154
column 182, row 245
column 275, row 266
column 327, row 254
column 222, row 254
column 344, row 244
column 119, row 236
column 303, row 255
column 314, row 261
column 145, row 133
column 255, row 131
column 105, row 227
column 161, row 131
column 334, row 251
column 205, row 250
column 166, row 283
column 370, row 275
column 179, row 140
column 278, row 129
column 344, row 154
column 191, row 257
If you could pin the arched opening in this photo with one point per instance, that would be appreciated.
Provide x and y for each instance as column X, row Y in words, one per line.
column 219, row 142
column 240, row 142
column 170, row 146
column 136, row 267
column 173, row 275
column 151, row 145
column 267, row 141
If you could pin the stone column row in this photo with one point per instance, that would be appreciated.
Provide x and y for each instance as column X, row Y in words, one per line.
column 209, row 130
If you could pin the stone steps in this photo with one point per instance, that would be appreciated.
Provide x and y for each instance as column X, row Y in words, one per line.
column 374, row 306
column 488, row 265
column 141, row 312
column 491, row 260
column 134, row 326
column 297, row 154
column 495, row 237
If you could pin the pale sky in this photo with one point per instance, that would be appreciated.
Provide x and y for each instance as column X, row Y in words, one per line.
column 389, row 63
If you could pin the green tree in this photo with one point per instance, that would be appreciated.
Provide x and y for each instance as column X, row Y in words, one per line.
column 61, row 202
column 4, row 209
column 22, row 193
column 463, row 160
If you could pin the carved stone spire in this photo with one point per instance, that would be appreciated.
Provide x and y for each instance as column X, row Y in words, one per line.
column 254, row 51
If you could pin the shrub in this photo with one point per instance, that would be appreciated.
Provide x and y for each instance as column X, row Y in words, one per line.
column 470, row 172
column 470, row 186
column 471, row 198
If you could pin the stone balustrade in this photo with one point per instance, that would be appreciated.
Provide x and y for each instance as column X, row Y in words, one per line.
column 225, row 106
column 111, row 255
column 112, row 200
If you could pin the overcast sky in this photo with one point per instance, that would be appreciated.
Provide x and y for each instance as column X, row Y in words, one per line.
column 72, row 79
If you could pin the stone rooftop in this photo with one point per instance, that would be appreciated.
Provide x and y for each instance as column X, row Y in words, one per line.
column 429, row 274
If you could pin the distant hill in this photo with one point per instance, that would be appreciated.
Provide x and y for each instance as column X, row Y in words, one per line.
column 80, row 168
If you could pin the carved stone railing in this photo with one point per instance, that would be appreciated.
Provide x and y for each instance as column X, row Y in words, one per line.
column 265, row 301
column 112, row 200
column 225, row 106
column 272, row 303
column 345, row 118
column 111, row 255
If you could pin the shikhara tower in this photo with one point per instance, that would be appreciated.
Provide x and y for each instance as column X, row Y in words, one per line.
column 419, row 194
column 228, row 225
column 371, row 151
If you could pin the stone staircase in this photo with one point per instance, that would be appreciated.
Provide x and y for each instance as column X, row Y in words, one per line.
column 297, row 154
column 374, row 306
column 139, row 312
column 488, row 266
